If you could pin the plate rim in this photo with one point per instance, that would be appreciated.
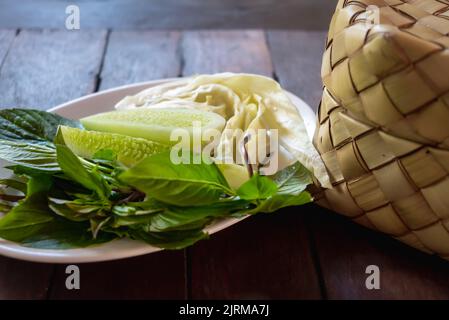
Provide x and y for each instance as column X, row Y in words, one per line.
column 129, row 248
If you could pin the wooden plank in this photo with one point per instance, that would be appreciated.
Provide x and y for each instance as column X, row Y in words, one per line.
column 24, row 280
column 155, row 276
column 266, row 256
column 132, row 57
column 346, row 249
column 47, row 67
column 297, row 61
column 170, row 14
column 220, row 51
column 15, row 275
column 34, row 63
column 136, row 56
column 6, row 39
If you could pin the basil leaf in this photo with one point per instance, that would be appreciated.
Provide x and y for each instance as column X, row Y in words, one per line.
column 257, row 187
column 292, row 183
column 279, row 201
column 293, row 180
column 30, row 216
column 32, row 223
column 121, row 221
column 20, row 170
column 14, row 184
column 26, row 137
column 180, row 217
column 78, row 209
column 64, row 234
column 35, row 156
column 72, row 167
column 5, row 207
column 177, row 184
column 32, row 125
column 39, row 183
column 169, row 240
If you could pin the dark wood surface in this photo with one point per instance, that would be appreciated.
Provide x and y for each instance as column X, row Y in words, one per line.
column 297, row 253
column 170, row 14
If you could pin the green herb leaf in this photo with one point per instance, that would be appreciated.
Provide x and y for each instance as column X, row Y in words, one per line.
column 169, row 240
column 279, row 201
column 127, row 221
column 32, row 223
column 79, row 209
column 177, row 218
column 177, row 184
column 292, row 183
column 72, row 167
column 32, row 125
column 293, row 180
column 256, row 188
column 36, row 156
column 14, row 184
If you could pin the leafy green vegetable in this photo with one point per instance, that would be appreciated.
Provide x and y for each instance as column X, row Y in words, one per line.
column 177, row 184
column 26, row 137
column 62, row 234
column 178, row 217
column 14, row 184
column 32, row 155
column 258, row 187
column 178, row 239
column 78, row 209
column 293, row 180
column 74, row 169
column 291, row 185
column 35, row 126
column 127, row 221
column 279, row 201
column 29, row 217
column 33, row 224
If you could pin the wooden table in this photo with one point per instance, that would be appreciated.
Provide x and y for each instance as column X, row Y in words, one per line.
column 297, row 253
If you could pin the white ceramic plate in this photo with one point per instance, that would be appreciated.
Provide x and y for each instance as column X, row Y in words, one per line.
column 120, row 248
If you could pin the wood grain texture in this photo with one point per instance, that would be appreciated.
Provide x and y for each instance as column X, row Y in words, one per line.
column 6, row 39
column 170, row 14
column 155, row 276
column 136, row 56
column 38, row 69
column 220, row 51
column 133, row 57
column 24, row 280
column 265, row 256
column 346, row 249
column 297, row 59
column 47, row 67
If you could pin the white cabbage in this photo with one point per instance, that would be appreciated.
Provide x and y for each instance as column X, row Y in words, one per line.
column 246, row 101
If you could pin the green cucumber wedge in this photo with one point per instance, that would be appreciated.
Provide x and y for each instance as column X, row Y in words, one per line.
column 155, row 124
column 129, row 150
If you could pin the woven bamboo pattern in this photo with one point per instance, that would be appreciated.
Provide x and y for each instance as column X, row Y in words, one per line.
column 383, row 121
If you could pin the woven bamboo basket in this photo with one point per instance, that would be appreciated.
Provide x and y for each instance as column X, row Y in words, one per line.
column 383, row 121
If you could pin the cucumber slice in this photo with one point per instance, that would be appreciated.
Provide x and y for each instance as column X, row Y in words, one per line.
column 129, row 150
column 155, row 124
